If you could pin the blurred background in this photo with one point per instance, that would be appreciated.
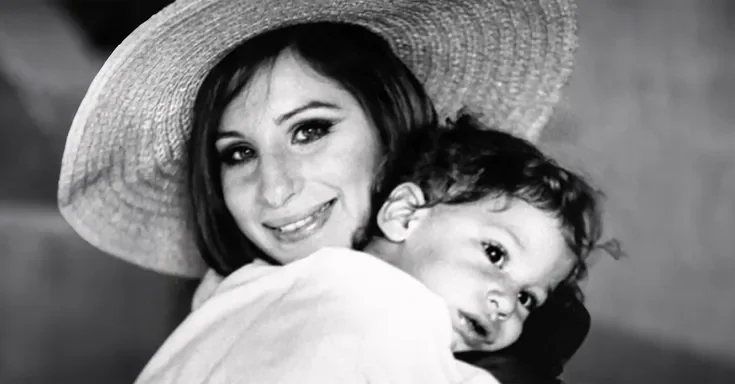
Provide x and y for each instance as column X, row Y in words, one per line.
column 649, row 115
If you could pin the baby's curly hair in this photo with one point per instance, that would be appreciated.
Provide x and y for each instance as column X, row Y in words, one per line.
column 465, row 161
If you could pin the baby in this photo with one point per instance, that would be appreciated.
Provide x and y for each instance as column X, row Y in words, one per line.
column 476, row 229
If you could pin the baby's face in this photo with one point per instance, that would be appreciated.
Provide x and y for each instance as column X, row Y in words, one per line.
column 493, row 261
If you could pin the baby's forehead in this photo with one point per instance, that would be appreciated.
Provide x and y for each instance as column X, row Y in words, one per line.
column 536, row 231
column 520, row 214
column 564, row 266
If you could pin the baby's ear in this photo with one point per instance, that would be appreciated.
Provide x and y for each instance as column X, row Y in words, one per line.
column 401, row 212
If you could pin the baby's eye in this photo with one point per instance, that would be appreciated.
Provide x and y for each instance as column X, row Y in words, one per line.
column 496, row 254
column 311, row 131
column 237, row 154
column 528, row 300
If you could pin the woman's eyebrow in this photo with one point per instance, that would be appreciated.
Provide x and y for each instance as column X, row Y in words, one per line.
column 309, row 105
column 228, row 134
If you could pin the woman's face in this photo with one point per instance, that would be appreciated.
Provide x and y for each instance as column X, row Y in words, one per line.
column 298, row 156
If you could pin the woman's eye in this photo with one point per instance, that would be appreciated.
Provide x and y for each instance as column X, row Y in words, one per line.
column 528, row 300
column 311, row 131
column 496, row 254
column 237, row 154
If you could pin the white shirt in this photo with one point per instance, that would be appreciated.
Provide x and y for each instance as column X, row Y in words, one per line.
column 336, row 316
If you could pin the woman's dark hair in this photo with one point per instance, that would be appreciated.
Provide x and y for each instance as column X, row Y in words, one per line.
column 359, row 60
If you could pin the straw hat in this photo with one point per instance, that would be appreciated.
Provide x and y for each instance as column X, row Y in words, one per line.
column 122, row 182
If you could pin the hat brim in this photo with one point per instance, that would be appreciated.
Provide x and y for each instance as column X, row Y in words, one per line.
column 121, row 185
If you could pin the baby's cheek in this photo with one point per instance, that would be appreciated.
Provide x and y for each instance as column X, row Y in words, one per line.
column 510, row 332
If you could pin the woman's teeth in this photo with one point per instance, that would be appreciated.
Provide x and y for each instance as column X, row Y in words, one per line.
column 297, row 225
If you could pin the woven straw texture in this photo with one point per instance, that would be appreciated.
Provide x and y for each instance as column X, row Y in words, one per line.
column 121, row 185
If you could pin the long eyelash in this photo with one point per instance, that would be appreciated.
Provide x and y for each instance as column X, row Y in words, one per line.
column 316, row 128
column 324, row 124
column 225, row 156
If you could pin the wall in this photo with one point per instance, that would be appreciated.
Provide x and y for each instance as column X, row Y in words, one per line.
column 652, row 121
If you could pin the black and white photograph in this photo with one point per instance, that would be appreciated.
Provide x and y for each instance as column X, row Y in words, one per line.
column 367, row 191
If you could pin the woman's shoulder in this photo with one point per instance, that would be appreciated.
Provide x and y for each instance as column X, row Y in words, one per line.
column 212, row 281
column 363, row 274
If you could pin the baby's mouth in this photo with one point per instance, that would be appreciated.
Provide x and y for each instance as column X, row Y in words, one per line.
column 475, row 332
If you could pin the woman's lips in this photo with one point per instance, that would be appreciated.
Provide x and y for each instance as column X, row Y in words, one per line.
column 298, row 229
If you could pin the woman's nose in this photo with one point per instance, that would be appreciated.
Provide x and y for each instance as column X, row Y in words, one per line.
column 279, row 180
column 501, row 303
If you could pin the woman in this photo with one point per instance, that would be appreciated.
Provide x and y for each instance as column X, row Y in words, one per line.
column 274, row 188
column 268, row 179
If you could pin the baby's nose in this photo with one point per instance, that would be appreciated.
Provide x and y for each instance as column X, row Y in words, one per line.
column 500, row 304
